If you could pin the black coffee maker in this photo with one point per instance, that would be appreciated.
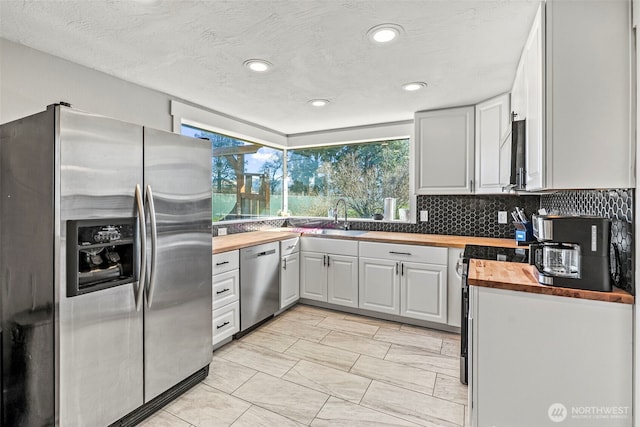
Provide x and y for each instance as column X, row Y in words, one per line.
column 573, row 251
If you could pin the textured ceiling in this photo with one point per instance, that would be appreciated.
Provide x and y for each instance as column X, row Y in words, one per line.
column 466, row 50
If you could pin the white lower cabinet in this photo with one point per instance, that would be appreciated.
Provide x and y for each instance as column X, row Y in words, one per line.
column 289, row 271
column 379, row 285
column 454, row 287
column 329, row 271
column 226, row 322
column 226, row 295
column 405, row 280
column 567, row 357
column 423, row 291
column 342, row 280
column 313, row 276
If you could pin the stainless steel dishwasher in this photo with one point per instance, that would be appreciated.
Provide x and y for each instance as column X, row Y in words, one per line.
column 259, row 283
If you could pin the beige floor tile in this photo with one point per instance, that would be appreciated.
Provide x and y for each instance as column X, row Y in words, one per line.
column 260, row 417
column 226, row 375
column 261, row 359
column 413, row 406
column 401, row 337
column 372, row 321
column 164, row 419
column 426, row 360
column 450, row 347
column 328, row 380
column 450, row 388
column 356, row 344
column 349, row 326
column 296, row 329
column 302, row 316
column 395, row 373
column 317, row 311
column 339, row 413
column 268, row 340
column 323, row 354
column 430, row 332
column 282, row 397
column 204, row 406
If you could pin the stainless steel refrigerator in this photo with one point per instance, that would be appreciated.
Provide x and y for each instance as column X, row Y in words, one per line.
column 105, row 268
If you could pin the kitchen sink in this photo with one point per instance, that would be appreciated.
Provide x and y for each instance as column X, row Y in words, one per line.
column 335, row 232
column 323, row 231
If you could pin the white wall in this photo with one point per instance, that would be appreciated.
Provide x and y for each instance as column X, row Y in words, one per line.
column 30, row 80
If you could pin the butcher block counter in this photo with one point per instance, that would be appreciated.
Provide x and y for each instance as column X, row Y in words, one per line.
column 240, row 240
column 520, row 277
column 231, row 242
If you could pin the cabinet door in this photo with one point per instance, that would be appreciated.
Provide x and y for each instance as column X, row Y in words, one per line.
column 454, row 287
column 533, row 72
column 444, row 151
column 423, row 291
column 379, row 285
column 342, row 280
column 289, row 279
column 518, row 94
column 492, row 129
column 313, row 276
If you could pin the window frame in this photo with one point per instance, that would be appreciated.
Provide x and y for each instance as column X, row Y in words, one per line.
column 236, row 128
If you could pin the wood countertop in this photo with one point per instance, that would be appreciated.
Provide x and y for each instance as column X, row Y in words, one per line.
column 240, row 240
column 231, row 242
column 520, row 277
column 441, row 240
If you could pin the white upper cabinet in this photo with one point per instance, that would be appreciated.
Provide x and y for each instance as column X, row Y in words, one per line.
column 573, row 87
column 444, row 151
column 493, row 145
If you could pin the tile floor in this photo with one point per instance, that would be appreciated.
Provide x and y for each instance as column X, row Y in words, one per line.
column 316, row 367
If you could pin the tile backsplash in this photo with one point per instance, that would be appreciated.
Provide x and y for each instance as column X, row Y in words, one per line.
column 476, row 215
column 615, row 204
column 455, row 215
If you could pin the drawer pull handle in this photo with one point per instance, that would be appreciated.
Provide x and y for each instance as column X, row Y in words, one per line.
column 222, row 263
column 222, row 291
column 291, row 247
column 222, row 326
column 400, row 253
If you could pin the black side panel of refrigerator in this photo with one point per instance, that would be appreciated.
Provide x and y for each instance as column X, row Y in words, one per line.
column 27, row 270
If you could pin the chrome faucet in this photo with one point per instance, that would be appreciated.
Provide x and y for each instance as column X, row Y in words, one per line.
column 345, row 225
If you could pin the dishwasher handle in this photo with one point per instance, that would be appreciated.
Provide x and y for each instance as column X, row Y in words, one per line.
column 259, row 254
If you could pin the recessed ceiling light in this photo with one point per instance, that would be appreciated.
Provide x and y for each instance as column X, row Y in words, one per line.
column 319, row 102
column 258, row 65
column 384, row 33
column 413, row 86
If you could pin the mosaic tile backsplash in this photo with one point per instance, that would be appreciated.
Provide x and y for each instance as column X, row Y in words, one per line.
column 616, row 204
column 454, row 215
column 476, row 215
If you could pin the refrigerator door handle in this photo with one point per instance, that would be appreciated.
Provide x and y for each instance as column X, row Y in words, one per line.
column 154, row 245
column 142, row 231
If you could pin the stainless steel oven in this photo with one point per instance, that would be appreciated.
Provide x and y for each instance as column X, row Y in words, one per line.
column 480, row 252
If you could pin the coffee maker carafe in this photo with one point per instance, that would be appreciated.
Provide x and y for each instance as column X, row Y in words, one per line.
column 573, row 251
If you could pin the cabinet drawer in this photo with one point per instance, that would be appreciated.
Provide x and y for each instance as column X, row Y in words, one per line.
column 225, row 261
column 330, row 246
column 226, row 322
column 226, row 288
column 289, row 246
column 396, row 252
